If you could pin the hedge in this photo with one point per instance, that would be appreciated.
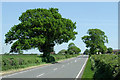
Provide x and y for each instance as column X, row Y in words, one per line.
column 21, row 61
column 105, row 66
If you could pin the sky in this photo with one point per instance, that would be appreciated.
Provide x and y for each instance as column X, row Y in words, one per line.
column 87, row 15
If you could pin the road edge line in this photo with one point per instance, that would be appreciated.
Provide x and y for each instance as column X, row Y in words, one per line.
column 81, row 69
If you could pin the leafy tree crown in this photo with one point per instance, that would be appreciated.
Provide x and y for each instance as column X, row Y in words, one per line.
column 40, row 28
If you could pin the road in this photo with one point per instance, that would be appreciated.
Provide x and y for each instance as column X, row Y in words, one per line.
column 70, row 68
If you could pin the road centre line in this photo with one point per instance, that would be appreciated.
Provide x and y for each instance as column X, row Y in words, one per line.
column 40, row 75
column 25, row 71
column 55, row 69
column 75, row 60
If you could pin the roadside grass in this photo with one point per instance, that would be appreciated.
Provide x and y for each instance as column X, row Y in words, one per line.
column 88, row 73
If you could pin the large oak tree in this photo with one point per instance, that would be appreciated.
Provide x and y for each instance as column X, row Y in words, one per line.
column 40, row 28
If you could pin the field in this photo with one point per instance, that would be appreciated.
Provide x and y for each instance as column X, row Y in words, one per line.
column 9, row 62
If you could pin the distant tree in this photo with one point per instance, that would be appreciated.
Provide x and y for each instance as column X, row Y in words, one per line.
column 73, row 48
column 109, row 50
column 86, row 52
column 70, row 52
column 95, row 41
column 6, row 53
column 42, row 29
column 20, row 52
column 63, row 51
column 70, row 45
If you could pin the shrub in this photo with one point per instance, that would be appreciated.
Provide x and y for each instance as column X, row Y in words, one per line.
column 105, row 66
column 38, row 60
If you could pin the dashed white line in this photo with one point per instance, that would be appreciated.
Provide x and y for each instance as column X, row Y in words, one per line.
column 55, row 69
column 25, row 71
column 68, row 63
column 62, row 66
column 40, row 75
column 75, row 60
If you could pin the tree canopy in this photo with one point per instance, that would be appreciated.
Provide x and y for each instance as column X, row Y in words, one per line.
column 72, row 49
column 109, row 50
column 63, row 51
column 71, row 44
column 86, row 52
column 95, row 41
column 40, row 28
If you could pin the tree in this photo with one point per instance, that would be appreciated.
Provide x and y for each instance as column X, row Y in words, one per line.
column 109, row 50
column 71, row 52
column 42, row 29
column 86, row 52
column 20, row 52
column 72, row 49
column 95, row 41
column 70, row 45
column 63, row 51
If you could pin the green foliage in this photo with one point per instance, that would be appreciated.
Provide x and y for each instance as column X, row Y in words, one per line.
column 72, row 49
column 68, row 56
column 40, row 28
column 88, row 73
column 25, row 60
column 49, row 59
column 95, row 41
column 109, row 50
column 20, row 52
column 63, row 51
column 86, row 52
column 19, row 61
column 105, row 66
column 70, row 45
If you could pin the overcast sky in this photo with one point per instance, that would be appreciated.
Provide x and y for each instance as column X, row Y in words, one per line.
column 87, row 15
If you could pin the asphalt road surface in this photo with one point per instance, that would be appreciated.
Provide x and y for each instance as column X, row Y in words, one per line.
column 70, row 68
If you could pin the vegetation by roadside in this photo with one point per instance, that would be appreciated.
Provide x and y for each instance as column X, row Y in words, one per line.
column 12, row 62
column 88, row 73
column 104, row 66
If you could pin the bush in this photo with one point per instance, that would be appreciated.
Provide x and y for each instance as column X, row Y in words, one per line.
column 105, row 66
column 38, row 60
column 15, row 61
column 68, row 56
column 19, row 61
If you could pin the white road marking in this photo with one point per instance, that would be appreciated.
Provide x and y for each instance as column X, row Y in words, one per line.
column 68, row 63
column 71, row 62
column 26, row 71
column 40, row 75
column 62, row 66
column 75, row 60
column 55, row 69
column 81, row 69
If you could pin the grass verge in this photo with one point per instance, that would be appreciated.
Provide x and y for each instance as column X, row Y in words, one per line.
column 88, row 73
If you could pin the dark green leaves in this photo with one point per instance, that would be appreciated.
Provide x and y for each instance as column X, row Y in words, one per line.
column 40, row 28
column 95, row 40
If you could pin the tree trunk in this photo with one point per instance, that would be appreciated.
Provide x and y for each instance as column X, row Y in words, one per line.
column 46, row 53
column 46, row 49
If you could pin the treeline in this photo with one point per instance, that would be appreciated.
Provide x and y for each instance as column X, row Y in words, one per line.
column 72, row 49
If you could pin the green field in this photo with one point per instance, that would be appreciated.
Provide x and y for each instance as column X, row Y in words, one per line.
column 22, row 61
